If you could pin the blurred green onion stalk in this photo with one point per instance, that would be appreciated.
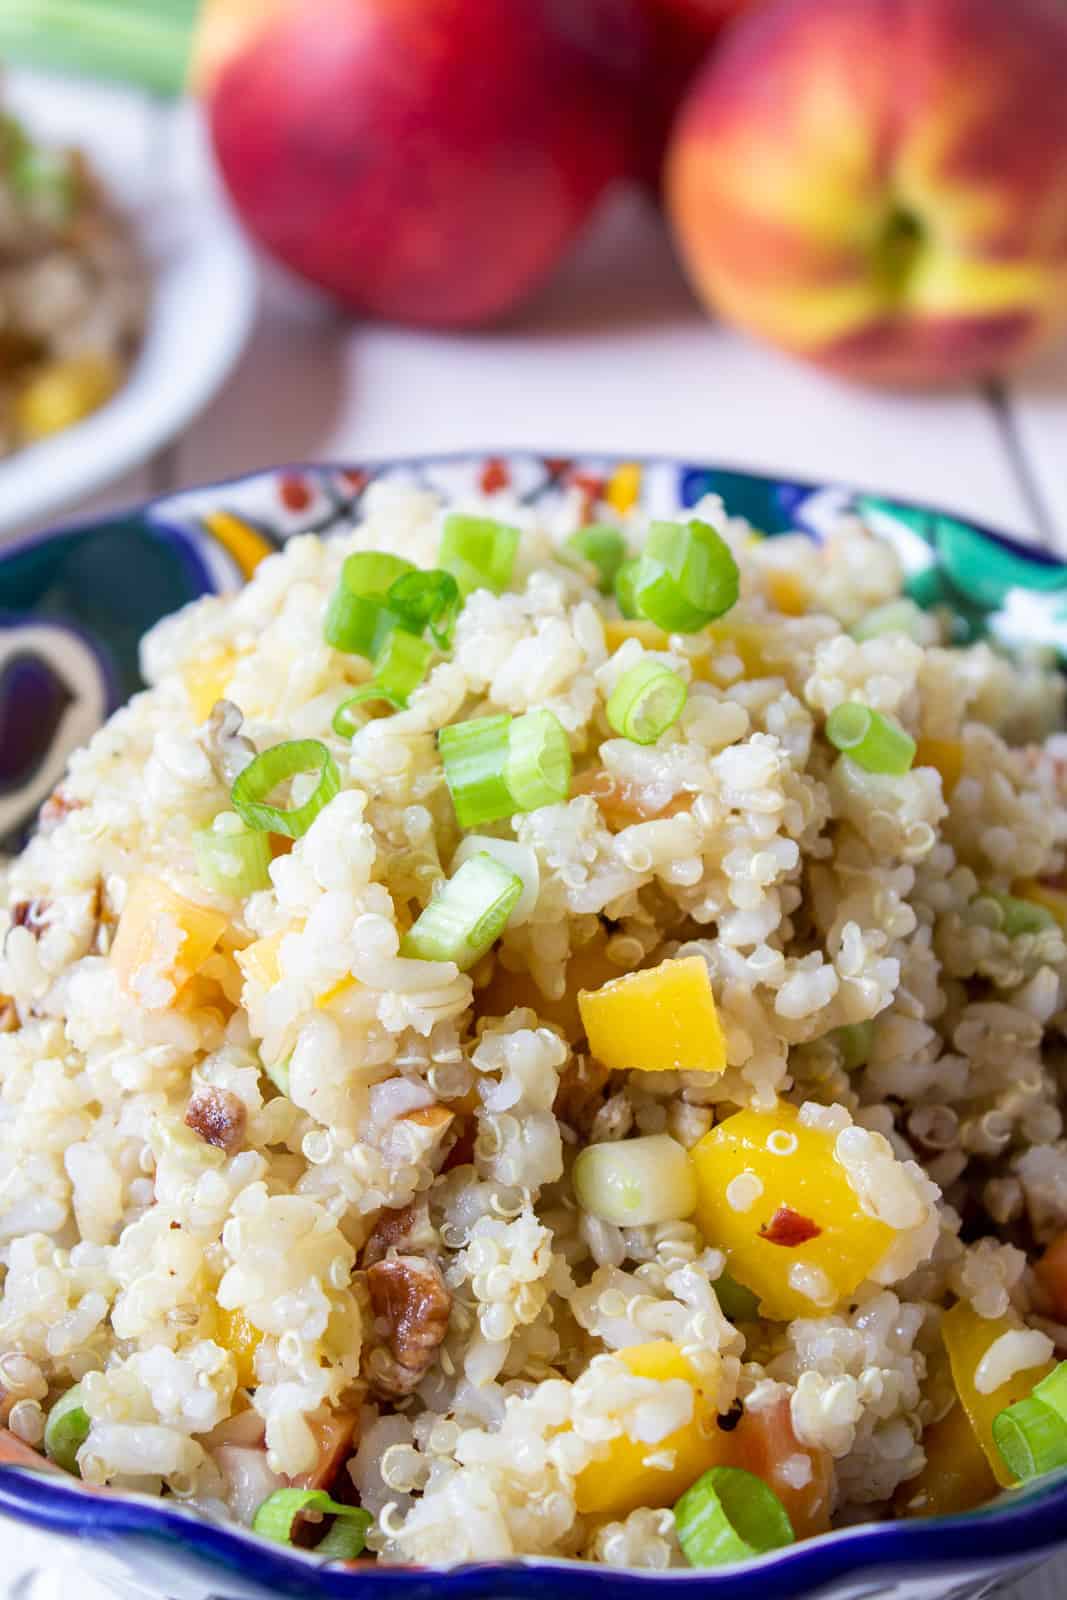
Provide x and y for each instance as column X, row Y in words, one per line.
column 143, row 42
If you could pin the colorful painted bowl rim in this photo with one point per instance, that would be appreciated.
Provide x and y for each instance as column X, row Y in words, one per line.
column 1027, row 1522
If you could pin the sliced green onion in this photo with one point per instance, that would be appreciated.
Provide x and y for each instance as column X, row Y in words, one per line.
column 736, row 1302
column 66, row 1430
column 495, row 766
column 604, row 547
column 277, row 1516
column 854, row 1041
column 478, row 552
column 870, row 740
column 276, row 765
column 1017, row 916
column 475, row 758
column 373, row 571
column 1031, row 1437
column 635, row 1182
column 646, row 701
column 232, row 858
column 358, row 624
column 466, row 915
column 347, row 719
column 1052, row 1391
column 400, row 665
column 686, row 576
column 358, row 617
column 515, row 857
column 427, row 598
column 730, row 1515
column 624, row 589
column 539, row 765
column 897, row 616
column 347, row 1538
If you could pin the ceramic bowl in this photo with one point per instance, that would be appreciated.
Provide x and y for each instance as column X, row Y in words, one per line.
column 73, row 605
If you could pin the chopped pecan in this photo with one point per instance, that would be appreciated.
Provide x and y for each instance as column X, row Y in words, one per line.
column 56, row 808
column 407, row 1228
column 9, row 1017
column 32, row 914
column 411, row 1300
column 787, row 1227
column 218, row 1116
column 580, row 1093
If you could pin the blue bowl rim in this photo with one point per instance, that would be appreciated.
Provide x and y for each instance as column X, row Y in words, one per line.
column 1018, row 1524
column 436, row 458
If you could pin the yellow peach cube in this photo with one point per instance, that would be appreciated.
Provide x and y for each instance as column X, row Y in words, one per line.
column 629, row 1476
column 773, row 1196
column 662, row 1019
column 968, row 1338
column 162, row 939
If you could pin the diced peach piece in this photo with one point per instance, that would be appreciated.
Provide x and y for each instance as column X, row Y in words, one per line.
column 235, row 1333
column 587, row 967
column 628, row 1476
column 617, row 631
column 786, row 591
column 944, row 754
column 206, row 681
column 749, row 641
column 772, row 1194
column 621, row 803
column 764, row 1443
column 662, row 1019
column 259, row 961
column 967, row 1337
column 957, row 1475
column 162, row 939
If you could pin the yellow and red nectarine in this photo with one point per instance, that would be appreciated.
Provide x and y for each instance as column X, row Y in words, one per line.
column 881, row 185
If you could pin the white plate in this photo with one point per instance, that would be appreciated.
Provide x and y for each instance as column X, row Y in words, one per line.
column 203, row 291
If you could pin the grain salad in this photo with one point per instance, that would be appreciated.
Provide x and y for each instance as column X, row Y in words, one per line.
column 72, row 289
column 541, row 1039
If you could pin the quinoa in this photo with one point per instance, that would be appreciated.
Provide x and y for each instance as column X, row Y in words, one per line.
column 294, row 1203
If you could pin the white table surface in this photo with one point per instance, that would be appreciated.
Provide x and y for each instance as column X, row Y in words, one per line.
column 614, row 355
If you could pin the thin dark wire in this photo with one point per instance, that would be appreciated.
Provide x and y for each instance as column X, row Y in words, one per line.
column 1045, row 525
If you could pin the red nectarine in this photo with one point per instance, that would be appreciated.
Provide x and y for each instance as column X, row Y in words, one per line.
column 681, row 32
column 427, row 160
column 881, row 185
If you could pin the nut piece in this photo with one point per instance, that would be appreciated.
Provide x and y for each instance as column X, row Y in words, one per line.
column 405, row 1228
column 32, row 914
column 9, row 1017
column 55, row 810
column 409, row 1296
column 581, row 1092
column 219, row 1117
